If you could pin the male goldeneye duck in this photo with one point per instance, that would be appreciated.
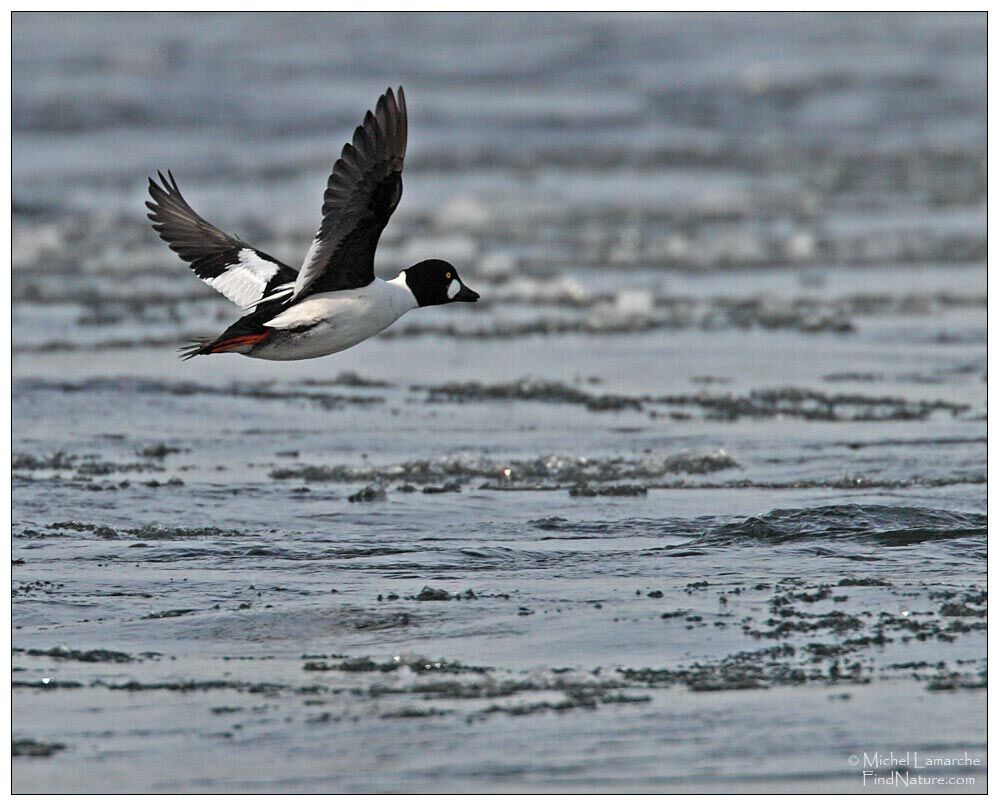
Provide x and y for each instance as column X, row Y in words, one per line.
column 334, row 301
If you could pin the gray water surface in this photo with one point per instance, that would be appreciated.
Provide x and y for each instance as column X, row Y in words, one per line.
column 693, row 500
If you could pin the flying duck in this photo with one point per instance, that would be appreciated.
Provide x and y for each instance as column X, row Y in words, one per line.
column 334, row 301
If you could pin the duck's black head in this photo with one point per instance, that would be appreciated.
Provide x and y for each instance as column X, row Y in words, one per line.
column 436, row 282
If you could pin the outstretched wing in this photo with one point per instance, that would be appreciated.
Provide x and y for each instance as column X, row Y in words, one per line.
column 228, row 265
column 362, row 192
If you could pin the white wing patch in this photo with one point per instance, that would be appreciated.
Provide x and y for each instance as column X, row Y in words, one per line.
column 284, row 290
column 244, row 282
column 304, row 274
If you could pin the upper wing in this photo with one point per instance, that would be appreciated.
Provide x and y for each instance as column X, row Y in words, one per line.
column 362, row 192
column 228, row 265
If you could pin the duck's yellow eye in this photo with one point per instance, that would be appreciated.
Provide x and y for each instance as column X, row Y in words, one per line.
column 447, row 276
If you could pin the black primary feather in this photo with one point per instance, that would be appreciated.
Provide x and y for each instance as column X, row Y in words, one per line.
column 362, row 192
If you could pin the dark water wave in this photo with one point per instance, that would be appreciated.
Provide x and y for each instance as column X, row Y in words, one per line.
column 155, row 387
column 884, row 525
column 864, row 523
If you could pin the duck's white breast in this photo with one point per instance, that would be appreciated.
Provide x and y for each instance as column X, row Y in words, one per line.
column 335, row 320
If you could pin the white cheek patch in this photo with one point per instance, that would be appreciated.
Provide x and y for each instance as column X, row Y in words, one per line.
column 453, row 289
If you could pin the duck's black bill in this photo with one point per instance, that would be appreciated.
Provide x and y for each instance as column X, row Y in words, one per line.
column 466, row 295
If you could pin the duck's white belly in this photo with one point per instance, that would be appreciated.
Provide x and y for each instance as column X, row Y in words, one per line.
column 330, row 322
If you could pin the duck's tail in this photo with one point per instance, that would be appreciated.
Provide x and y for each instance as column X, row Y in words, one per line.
column 232, row 344
column 193, row 348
